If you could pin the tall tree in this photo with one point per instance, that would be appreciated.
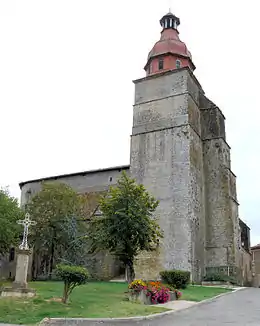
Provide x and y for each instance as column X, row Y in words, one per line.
column 59, row 213
column 128, row 225
column 10, row 212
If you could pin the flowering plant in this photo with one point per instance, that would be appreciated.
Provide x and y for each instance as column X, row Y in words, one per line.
column 172, row 289
column 137, row 286
column 158, row 292
column 178, row 294
column 155, row 290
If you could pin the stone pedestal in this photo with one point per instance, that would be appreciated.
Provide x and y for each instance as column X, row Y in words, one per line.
column 141, row 297
column 21, row 269
column 20, row 287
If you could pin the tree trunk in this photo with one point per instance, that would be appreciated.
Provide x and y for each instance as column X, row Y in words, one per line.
column 65, row 293
column 51, row 260
column 130, row 272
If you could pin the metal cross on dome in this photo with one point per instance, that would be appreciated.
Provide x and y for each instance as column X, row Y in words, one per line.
column 26, row 223
column 170, row 5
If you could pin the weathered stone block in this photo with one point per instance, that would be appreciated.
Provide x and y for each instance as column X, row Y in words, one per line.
column 140, row 297
column 18, row 292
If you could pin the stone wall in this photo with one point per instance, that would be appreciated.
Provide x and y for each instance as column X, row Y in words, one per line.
column 245, row 265
column 197, row 206
column 92, row 184
column 256, row 258
column 165, row 139
column 220, row 191
column 85, row 182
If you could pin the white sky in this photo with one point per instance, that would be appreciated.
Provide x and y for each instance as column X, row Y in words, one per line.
column 66, row 92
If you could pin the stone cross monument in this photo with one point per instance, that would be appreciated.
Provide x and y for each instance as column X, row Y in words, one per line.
column 19, row 287
column 26, row 223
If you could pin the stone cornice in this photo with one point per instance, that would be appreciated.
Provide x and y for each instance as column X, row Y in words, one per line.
column 169, row 72
column 216, row 138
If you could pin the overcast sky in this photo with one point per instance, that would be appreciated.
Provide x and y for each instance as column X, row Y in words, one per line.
column 66, row 92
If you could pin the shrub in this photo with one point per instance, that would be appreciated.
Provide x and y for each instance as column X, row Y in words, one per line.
column 218, row 277
column 72, row 276
column 214, row 277
column 177, row 279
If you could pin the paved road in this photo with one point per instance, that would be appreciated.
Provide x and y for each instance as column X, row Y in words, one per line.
column 241, row 308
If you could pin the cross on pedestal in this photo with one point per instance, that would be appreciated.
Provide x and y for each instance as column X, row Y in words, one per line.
column 26, row 223
column 20, row 287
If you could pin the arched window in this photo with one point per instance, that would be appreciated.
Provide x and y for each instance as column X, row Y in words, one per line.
column 178, row 64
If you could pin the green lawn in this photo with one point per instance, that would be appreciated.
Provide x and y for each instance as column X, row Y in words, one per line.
column 199, row 293
column 97, row 299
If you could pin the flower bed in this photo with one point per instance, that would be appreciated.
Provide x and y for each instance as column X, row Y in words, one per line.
column 152, row 292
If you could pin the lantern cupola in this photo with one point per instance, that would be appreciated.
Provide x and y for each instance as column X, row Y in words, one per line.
column 169, row 52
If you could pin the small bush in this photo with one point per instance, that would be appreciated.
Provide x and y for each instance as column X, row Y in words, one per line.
column 214, row 277
column 72, row 276
column 217, row 277
column 177, row 279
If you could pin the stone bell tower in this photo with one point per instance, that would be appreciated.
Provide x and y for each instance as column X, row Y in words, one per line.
column 175, row 128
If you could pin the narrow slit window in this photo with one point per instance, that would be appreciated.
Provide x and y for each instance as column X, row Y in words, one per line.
column 11, row 254
column 150, row 68
column 160, row 64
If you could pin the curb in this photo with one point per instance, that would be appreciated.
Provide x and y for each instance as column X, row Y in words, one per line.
column 218, row 296
column 112, row 321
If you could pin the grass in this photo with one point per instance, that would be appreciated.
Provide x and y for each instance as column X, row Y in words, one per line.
column 199, row 293
column 97, row 299
column 92, row 300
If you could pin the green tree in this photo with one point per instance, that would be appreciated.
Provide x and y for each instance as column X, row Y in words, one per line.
column 72, row 276
column 59, row 213
column 127, row 225
column 10, row 212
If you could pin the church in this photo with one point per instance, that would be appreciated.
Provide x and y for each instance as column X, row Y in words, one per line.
column 180, row 154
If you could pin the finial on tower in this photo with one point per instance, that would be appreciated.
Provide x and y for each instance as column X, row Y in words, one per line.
column 170, row 5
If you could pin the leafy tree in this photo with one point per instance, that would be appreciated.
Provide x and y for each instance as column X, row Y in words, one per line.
column 72, row 276
column 58, row 211
column 10, row 212
column 75, row 243
column 128, row 225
